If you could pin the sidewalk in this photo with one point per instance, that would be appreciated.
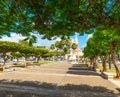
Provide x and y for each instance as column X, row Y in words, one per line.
column 115, row 82
column 109, row 76
column 63, row 79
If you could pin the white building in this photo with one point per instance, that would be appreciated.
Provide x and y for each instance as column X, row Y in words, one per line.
column 74, row 54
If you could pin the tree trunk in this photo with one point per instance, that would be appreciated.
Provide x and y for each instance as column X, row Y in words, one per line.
column 25, row 61
column 38, row 58
column 109, row 61
column 114, row 60
column 95, row 64
column 104, row 63
column 4, row 55
column 85, row 61
column 91, row 61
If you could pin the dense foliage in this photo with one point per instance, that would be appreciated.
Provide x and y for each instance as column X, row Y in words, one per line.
column 104, row 43
column 58, row 17
column 19, row 50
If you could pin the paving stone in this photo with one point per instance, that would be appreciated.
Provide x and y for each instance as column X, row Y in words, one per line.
column 63, row 79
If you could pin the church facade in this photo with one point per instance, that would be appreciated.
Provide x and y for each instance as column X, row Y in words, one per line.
column 76, row 53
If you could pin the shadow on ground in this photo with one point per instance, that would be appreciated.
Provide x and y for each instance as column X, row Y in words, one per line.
column 81, row 69
column 68, row 90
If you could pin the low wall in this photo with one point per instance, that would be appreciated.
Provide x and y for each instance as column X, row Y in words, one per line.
column 107, row 75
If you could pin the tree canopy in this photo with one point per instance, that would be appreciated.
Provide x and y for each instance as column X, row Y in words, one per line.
column 102, row 44
column 6, row 47
column 58, row 17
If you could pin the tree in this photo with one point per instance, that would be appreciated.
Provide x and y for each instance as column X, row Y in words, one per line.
column 63, row 42
column 52, row 47
column 57, row 45
column 63, row 45
column 107, row 42
column 68, row 42
column 26, row 51
column 67, row 45
column 39, row 52
column 7, row 47
column 31, row 39
column 16, row 55
column 13, row 20
column 24, row 43
column 102, row 45
column 74, row 46
column 49, row 54
column 59, row 18
column 66, row 50
column 91, row 51
column 112, row 37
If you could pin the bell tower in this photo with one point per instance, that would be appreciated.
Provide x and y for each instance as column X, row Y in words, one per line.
column 76, row 39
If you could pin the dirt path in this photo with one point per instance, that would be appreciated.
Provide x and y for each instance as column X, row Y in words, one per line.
column 61, row 79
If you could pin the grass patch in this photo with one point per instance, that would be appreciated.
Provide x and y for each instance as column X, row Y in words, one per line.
column 31, row 63
column 101, row 68
column 111, row 70
column 108, row 70
column 42, row 62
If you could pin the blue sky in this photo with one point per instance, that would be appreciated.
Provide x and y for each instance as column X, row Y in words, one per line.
column 81, row 40
column 16, row 37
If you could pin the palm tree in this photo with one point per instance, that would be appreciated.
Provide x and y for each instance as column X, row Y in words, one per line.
column 31, row 39
column 63, row 41
column 66, row 50
column 68, row 42
column 24, row 43
column 52, row 47
column 74, row 46
column 57, row 44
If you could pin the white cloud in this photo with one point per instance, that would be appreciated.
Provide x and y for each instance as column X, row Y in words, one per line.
column 14, row 37
column 45, row 42
column 40, row 42
column 89, row 36
column 58, row 39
